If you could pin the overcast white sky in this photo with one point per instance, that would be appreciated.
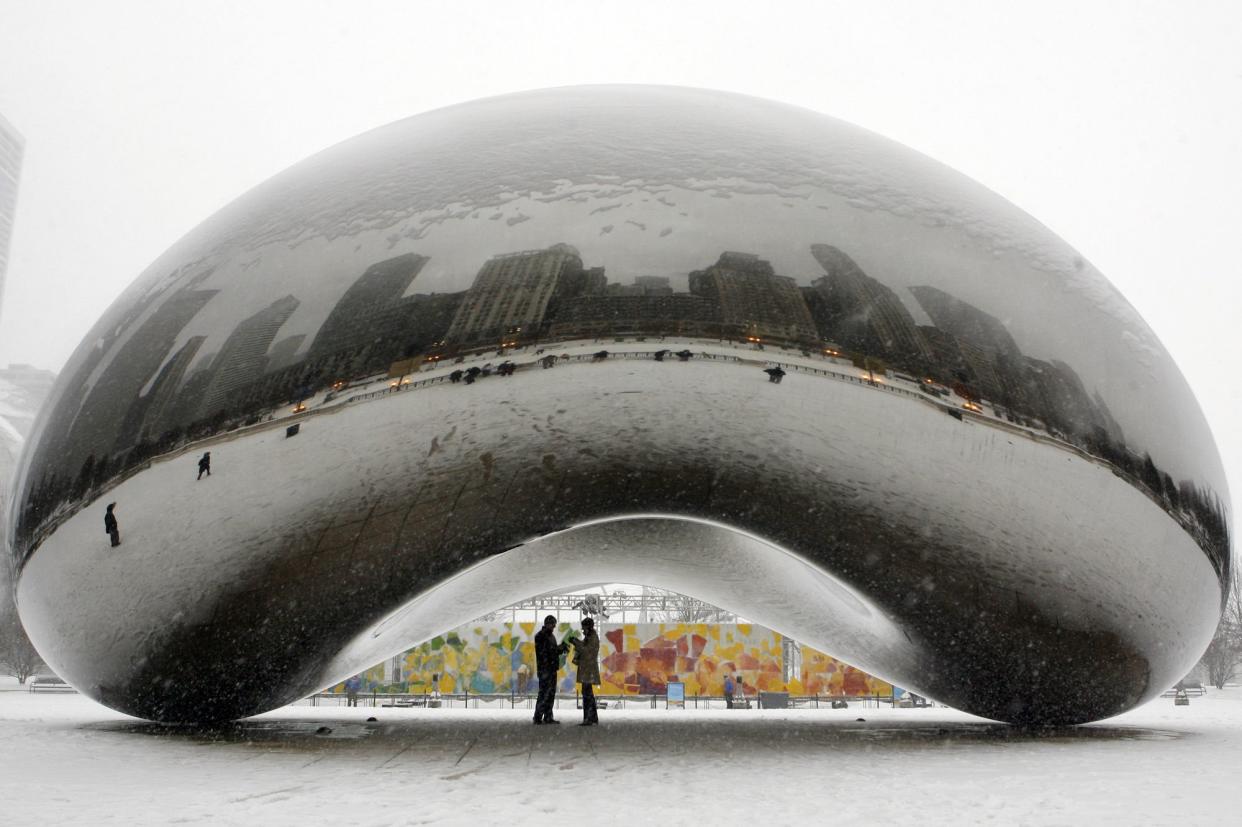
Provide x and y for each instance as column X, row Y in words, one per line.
column 1117, row 124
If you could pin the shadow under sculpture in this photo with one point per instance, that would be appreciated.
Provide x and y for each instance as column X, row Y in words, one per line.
column 520, row 345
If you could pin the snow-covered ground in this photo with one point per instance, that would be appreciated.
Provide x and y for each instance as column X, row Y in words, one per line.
column 67, row 760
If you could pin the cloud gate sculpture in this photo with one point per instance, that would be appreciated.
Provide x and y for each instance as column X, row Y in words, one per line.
column 614, row 334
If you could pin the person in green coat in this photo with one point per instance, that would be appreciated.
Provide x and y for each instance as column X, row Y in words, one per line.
column 586, row 658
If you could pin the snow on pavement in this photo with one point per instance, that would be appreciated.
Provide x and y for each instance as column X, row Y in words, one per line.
column 68, row 760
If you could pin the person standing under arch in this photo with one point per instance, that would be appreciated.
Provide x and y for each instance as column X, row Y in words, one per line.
column 547, row 662
column 586, row 658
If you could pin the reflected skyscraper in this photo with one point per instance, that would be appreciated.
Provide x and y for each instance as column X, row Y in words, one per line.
column 352, row 324
column 284, row 352
column 106, row 423
column 752, row 300
column 243, row 357
column 512, row 291
column 158, row 413
column 858, row 312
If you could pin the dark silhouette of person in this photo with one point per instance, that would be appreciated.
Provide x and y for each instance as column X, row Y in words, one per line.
column 455, row 376
column 728, row 691
column 547, row 662
column 586, row 658
column 204, row 464
column 599, row 356
column 659, row 355
column 775, row 374
column 548, row 361
column 684, row 355
column 472, row 374
column 111, row 527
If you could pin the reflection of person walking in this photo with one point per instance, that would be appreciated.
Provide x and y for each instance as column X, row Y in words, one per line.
column 204, row 464
column 111, row 527
column 547, row 661
column 586, row 658
column 728, row 691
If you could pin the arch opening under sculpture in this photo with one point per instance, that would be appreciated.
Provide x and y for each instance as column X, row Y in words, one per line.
column 702, row 559
column 781, row 590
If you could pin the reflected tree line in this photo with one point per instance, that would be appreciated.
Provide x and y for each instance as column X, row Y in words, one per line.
column 161, row 390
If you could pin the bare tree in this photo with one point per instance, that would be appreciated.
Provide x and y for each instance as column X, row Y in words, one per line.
column 1224, row 653
column 17, row 654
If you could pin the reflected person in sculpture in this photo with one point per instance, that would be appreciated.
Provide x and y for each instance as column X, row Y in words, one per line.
column 547, row 661
column 586, row 658
column 110, row 526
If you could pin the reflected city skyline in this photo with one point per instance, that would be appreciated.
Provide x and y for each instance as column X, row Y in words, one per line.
column 154, row 398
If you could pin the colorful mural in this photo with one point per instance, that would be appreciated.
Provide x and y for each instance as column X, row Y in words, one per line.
column 635, row 659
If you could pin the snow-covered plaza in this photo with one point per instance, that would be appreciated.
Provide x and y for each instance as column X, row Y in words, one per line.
column 68, row 760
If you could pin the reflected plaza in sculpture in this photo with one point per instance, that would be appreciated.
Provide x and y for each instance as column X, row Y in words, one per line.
column 622, row 334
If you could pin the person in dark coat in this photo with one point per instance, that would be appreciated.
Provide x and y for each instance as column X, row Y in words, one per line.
column 775, row 374
column 455, row 376
column 547, row 661
column 204, row 464
column 111, row 527
column 586, row 658
column 728, row 691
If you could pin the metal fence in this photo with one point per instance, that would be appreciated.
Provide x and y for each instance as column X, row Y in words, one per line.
column 526, row 700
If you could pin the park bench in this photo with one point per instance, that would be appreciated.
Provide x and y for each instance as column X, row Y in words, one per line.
column 49, row 683
column 1188, row 688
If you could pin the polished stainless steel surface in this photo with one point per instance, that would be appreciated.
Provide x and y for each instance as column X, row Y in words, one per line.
column 606, row 334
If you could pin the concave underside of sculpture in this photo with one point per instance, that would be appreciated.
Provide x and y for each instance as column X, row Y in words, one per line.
column 610, row 334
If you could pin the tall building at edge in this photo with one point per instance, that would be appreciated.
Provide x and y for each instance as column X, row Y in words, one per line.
column 10, row 168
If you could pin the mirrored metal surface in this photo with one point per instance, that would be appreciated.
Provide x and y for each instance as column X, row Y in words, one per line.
column 744, row 348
